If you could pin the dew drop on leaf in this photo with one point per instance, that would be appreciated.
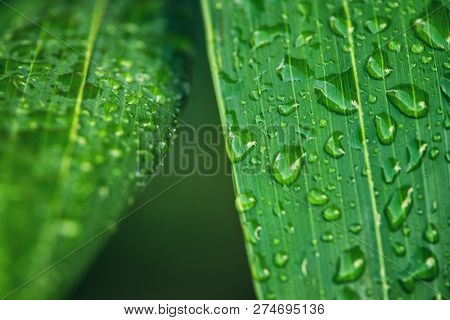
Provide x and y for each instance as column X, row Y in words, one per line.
column 424, row 267
column 399, row 206
column 385, row 127
column 431, row 234
column 410, row 100
column 416, row 152
column 350, row 266
column 287, row 164
column 333, row 146
column 317, row 197
column 245, row 201
column 332, row 213
column 376, row 26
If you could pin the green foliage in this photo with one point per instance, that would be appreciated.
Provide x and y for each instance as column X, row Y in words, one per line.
column 89, row 91
column 342, row 175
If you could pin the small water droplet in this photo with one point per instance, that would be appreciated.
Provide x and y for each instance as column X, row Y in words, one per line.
column 431, row 234
column 399, row 249
column 245, row 201
column 280, row 259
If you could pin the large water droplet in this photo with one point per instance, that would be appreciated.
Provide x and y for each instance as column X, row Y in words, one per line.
column 385, row 127
column 377, row 66
column 416, row 153
column 430, row 34
column 317, row 197
column 333, row 146
column 266, row 35
column 338, row 25
column 431, row 234
column 350, row 266
column 245, row 201
column 332, row 213
column 287, row 164
column 399, row 206
column 424, row 267
column 337, row 92
column 409, row 99
column 376, row 26
column 292, row 69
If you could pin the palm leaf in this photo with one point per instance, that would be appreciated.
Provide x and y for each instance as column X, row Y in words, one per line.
column 88, row 100
column 337, row 123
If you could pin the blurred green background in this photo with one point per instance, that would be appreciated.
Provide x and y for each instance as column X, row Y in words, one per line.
column 185, row 244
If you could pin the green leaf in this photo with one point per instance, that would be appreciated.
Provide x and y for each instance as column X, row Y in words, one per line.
column 348, row 173
column 89, row 92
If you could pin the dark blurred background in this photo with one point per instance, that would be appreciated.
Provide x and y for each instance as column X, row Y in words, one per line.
column 187, row 242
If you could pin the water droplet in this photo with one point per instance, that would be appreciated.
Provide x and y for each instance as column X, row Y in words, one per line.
column 317, row 197
column 260, row 271
column 304, row 39
column 376, row 26
column 245, row 201
column 394, row 46
column 252, row 231
column 287, row 109
column 280, row 259
column 431, row 234
column 399, row 249
column 399, row 206
column 334, row 146
column 292, row 69
column 333, row 98
column 417, row 48
column 434, row 153
column 278, row 209
column 391, row 169
column 266, row 35
column 428, row 33
column 327, row 237
column 424, row 267
column 240, row 143
column 332, row 213
column 287, row 165
column 377, row 65
column 385, row 127
column 355, row 228
column 416, row 153
column 350, row 266
column 338, row 26
column 409, row 100
column 372, row 98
